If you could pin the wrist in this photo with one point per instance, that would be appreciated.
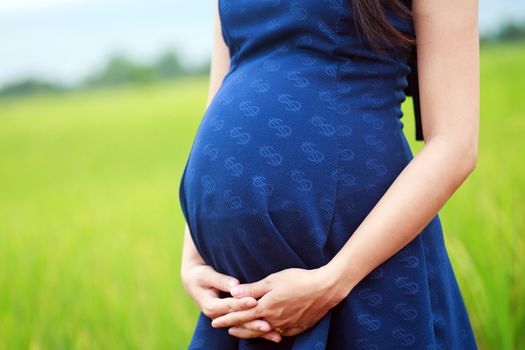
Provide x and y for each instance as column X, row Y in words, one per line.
column 337, row 278
column 186, row 268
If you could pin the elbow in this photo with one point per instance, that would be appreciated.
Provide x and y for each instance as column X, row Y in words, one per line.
column 471, row 163
column 462, row 153
column 468, row 156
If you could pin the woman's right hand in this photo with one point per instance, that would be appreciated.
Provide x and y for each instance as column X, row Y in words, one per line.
column 204, row 285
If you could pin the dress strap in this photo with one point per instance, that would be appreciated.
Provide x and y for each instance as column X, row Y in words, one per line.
column 413, row 90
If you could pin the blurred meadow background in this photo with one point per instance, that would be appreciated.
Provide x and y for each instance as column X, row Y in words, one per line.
column 99, row 104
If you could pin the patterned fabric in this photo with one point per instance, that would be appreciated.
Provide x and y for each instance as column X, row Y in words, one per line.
column 297, row 146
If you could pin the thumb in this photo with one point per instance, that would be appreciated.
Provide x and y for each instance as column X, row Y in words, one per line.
column 255, row 289
column 221, row 281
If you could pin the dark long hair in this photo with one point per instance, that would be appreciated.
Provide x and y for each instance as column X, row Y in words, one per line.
column 373, row 23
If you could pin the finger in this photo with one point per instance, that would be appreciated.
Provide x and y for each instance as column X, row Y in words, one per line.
column 241, row 332
column 220, row 281
column 215, row 307
column 257, row 326
column 273, row 336
column 289, row 332
column 237, row 317
column 255, row 289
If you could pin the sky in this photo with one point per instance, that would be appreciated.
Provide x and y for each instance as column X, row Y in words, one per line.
column 65, row 40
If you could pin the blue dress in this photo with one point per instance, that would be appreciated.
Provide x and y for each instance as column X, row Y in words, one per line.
column 297, row 146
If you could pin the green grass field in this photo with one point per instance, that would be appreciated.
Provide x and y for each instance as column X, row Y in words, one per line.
column 91, row 229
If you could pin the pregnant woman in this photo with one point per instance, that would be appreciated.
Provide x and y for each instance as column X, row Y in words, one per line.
column 301, row 190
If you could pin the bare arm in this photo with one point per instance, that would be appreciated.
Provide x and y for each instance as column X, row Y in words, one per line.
column 220, row 63
column 448, row 55
column 201, row 281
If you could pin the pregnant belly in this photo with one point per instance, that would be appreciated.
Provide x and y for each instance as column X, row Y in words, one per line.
column 273, row 157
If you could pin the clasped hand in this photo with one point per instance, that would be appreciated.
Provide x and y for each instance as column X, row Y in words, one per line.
column 293, row 299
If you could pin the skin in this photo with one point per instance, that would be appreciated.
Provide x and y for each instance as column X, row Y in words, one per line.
column 201, row 281
column 448, row 63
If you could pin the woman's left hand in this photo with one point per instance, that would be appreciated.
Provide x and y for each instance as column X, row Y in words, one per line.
column 293, row 299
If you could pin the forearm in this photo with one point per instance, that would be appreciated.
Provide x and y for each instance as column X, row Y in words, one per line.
column 190, row 255
column 219, row 65
column 409, row 204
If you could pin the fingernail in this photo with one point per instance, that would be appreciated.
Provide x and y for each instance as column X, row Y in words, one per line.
column 275, row 339
column 250, row 302
column 236, row 291
column 264, row 327
column 231, row 283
